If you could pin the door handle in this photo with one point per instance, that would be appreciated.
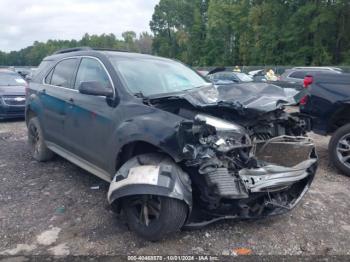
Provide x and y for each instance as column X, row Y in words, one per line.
column 43, row 91
column 71, row 100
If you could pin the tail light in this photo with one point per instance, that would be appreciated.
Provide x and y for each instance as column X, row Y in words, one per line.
column 303, row 100
column 308, row 81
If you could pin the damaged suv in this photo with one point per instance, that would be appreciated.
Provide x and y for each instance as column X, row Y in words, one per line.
column 176, row 150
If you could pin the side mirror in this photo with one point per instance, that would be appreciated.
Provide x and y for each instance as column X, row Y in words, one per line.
column 95, row 88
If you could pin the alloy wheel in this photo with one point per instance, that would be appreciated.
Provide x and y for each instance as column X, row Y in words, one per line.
column 343, row 150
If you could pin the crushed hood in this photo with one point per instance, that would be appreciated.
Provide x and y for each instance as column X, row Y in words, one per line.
column 245, row 97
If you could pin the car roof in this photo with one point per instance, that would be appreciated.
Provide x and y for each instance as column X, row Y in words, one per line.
column 86, row 51
column 317, row 68
column 310, row 70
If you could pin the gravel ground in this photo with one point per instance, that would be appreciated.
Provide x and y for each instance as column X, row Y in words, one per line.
column 53, row 208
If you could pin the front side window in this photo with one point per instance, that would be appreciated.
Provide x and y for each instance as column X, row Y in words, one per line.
column 92, row 70
column 150, row 76
column 63, row 73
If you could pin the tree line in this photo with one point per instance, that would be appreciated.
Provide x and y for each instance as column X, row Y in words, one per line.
column 32, row 55
column 253, row 32
column 227, row 32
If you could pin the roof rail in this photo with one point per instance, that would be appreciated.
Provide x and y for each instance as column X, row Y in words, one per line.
column 330, row 68
column 109, row 49
column 74, row 49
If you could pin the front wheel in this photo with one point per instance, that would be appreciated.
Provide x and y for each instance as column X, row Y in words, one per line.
column 152, row 217
column 339, row 149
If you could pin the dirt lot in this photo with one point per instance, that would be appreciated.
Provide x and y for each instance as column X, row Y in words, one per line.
column 54, row 208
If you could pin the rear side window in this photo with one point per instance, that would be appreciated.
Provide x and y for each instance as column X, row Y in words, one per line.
column 92, row 70
column 63, row 73
column 298, row 74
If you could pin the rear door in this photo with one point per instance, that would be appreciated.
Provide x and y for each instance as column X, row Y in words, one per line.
column 90, row 123
column 54, row 95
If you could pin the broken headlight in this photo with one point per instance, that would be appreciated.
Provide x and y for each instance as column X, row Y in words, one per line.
column 227, row 135
column 219, row 124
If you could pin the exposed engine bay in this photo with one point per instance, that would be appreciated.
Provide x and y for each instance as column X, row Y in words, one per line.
column 246, row 157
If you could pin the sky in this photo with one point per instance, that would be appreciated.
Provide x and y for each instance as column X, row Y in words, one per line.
column 22, row 22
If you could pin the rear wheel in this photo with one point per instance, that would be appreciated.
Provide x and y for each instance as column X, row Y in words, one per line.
column 339, row 149
column 36, row 141
column 152, row 217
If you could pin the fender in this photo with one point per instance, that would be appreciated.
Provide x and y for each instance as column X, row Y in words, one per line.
column 152, row 130
column 158, row 176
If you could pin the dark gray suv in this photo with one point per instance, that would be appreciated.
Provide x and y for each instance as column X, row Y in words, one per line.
column 176, row 150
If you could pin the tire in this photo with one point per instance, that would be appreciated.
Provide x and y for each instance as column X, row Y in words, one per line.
column 172, row 213
column 171, row 217
column 36, row 141
column 339, row 149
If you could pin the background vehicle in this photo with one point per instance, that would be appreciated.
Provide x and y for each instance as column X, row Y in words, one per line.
column 258, row 75
column 295, row 77
column 12, row 94
column 228, row 77
column 176, row 150
column 23, row 71
column 203, row 72
column 328, row 102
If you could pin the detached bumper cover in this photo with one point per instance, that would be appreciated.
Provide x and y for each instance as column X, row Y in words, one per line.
column 287, row 166
column 272, row 177
column 162, row 178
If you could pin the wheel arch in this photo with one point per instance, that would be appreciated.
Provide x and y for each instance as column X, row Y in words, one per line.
column 340, row 117
column 137, row 147
column 153, row 173
column 29, row 113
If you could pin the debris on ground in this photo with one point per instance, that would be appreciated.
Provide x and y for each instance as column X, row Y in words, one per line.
column 242, row 251
column 48, row 237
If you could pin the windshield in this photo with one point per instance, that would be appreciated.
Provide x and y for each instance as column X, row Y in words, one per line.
column 154, row 76
column 8, row 79
column 244, row 77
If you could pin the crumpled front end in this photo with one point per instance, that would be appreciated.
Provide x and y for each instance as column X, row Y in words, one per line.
column 238, row 174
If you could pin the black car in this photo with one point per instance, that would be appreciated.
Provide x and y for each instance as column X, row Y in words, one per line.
column 176, row 150
column 12, row 94
column 328, row 103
